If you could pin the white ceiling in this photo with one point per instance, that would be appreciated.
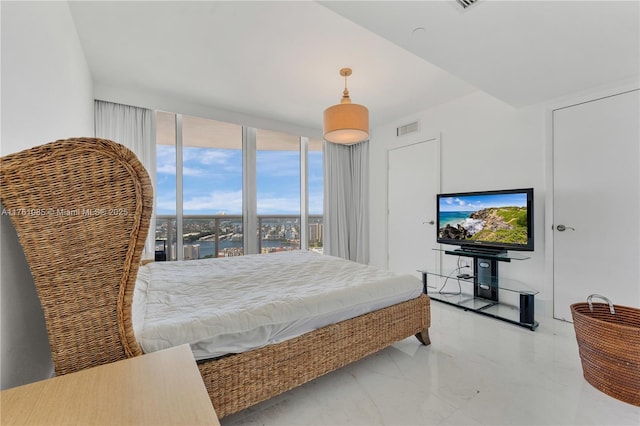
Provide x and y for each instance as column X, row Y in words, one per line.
column 522, row 52
column 280, row 60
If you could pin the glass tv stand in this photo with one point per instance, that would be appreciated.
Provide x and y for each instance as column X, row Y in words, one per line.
column 480, row 291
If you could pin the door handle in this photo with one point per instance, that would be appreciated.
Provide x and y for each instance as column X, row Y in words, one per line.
column 431, row 222
column 563, row 228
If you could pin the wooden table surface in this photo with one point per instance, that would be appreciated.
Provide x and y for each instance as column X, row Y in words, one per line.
column 160, row 388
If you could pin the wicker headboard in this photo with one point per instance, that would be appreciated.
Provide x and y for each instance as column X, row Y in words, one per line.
column 81, row 209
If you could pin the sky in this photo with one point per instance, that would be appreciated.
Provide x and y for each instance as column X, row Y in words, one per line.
column 212, row 181
column 479, row 202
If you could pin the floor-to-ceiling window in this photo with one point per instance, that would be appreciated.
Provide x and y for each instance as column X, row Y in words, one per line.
column 211, row 188
column 278, row 191
column 216, row 179
column 315, row 184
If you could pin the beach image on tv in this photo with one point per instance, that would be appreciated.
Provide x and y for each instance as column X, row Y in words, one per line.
column 500, row 218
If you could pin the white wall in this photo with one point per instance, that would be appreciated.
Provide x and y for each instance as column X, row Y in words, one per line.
column 156, row 101
column 46, row 95
column 485, row 144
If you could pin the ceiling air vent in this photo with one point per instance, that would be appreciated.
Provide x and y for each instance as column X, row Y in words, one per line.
column 466, row 3
column 407, row 128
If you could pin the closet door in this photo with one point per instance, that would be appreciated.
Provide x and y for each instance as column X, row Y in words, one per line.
column 596, row 202
column 413, row 182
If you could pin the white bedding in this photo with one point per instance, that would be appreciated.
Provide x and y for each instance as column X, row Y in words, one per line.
column 232, row 305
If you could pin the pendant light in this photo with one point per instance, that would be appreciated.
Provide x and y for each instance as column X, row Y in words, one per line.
column 346, row 123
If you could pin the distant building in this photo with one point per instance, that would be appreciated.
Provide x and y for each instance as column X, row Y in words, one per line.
column 315, row 232
column 191, row 251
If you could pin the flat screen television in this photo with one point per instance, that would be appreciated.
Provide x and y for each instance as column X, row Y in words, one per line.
column 493, row 221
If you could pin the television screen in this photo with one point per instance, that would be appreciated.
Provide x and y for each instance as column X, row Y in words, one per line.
column 495, row 220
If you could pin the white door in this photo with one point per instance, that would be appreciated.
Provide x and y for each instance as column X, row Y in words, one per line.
column 596, row 202
column 413, row 182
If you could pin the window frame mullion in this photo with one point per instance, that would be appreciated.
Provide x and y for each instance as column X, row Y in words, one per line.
column 249, row 191
column 179, row 190
column 304, row 193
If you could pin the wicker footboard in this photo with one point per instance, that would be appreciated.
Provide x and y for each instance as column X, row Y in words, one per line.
column 239, row 381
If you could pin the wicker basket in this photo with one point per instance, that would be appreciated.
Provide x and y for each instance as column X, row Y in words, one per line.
column 609, row 343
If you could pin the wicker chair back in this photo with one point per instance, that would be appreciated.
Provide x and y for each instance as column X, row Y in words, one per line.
column 81, row 208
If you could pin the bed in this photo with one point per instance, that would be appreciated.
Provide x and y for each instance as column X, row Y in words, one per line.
column 81, row 208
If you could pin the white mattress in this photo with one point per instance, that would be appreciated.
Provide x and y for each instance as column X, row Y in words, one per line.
column 232, row 305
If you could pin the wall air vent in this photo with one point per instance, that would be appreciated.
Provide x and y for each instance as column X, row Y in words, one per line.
column 466, row 3
column 407, row 128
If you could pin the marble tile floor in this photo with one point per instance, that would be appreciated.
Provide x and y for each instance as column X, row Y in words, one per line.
column 477, row 371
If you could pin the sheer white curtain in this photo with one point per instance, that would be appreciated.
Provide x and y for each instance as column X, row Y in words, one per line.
column 134, row 128
column 346, row 201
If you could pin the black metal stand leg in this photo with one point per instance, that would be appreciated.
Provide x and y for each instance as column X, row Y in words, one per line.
column 527, row 308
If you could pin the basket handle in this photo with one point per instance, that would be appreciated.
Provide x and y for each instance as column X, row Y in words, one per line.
column 613, row 311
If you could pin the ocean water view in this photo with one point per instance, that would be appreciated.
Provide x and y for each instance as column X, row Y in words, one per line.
column 453, row 218
column 207, row 248
column 276, row 233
